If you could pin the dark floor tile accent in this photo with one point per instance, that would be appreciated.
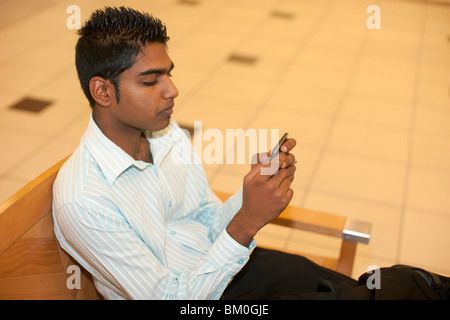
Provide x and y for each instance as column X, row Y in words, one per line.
column 190, row 2
column 31, row 105
column 244, row 59
column 282, row 14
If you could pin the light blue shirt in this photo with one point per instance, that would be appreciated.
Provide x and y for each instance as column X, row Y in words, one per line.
column 146, row 231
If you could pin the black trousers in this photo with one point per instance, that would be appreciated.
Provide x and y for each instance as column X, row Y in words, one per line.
column 271, row 274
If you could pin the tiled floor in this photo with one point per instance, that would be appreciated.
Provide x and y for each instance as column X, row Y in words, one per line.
column 369, row 108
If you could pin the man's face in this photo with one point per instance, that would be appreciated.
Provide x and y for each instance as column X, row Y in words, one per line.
column 146, row 91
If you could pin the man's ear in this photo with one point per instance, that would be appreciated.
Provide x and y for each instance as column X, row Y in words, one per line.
column 102, row 91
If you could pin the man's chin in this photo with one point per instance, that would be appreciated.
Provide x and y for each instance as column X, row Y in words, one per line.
column 161, row 125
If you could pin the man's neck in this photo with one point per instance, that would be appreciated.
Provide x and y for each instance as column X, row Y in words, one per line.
column 133, row 141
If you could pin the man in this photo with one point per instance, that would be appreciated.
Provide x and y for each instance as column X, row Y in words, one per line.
column 149, row 227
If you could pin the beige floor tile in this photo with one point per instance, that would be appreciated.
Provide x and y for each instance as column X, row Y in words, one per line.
column 45, row 123
column 431, row 151
column 433, row 93
column 433, row 120
column 385, row 46
column 239, row 11
column 381, row 86
column 65, row 86
column 303, row 99
column 18, row 82
column 337, row 37
column 380, row 112
column 265, row 68
column 378, row 65
column 42, row 25
column 334, row 80
column 271, row 30
column 75, row 130
column 202, row 57
column 306, row 160
column 362, row 178
column 429, row 190
column 16, row 146
column 235, row 88
column 258, row 44
column 41, row 160
column 32, row 32
column 299, row 192
column 398, row 28
column 433, row 71
column 215, row 113
column 371, row 141
column 437, row 17
column 436, row 37
column 321, row 57
column 10, row 48
column 394, row 17
column 51, row 54
column 7, row 99
column 308, row 130
column 186, row 81
column 425, row 241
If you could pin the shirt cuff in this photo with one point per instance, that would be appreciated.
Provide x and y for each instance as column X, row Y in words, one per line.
column 228, row 254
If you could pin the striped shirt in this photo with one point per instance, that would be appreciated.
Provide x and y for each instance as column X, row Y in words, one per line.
column 146, row 231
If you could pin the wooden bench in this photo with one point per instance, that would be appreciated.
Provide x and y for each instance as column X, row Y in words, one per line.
column 33, row 266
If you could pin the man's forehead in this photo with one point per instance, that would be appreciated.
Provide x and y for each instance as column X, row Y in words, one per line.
column 153, row 55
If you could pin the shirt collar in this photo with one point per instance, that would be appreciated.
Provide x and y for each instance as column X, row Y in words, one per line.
column 113, row 161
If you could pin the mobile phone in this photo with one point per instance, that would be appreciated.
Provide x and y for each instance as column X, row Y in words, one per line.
column 276, row 150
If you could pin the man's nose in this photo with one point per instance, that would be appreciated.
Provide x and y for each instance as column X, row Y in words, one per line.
column 171, row 91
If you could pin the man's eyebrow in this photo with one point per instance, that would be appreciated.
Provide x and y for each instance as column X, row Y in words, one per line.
column 156, row 71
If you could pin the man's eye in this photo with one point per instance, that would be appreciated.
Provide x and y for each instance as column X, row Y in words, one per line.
column 149, row 83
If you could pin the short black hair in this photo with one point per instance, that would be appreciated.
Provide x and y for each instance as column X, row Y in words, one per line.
column 110, row 41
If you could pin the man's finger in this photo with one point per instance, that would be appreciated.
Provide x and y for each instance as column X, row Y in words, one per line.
column 286, row 159
column 282, row 174
column 288, row 145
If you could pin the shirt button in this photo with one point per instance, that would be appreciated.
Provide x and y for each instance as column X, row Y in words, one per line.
column 173, row 233
column 170, row 204
column 240, row 261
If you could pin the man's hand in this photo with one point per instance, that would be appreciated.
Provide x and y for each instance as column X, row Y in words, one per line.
column 264, row 196
column 283, row 160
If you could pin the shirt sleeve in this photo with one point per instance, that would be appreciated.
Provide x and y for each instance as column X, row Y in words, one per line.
column 217, row 215
column 105, row 244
